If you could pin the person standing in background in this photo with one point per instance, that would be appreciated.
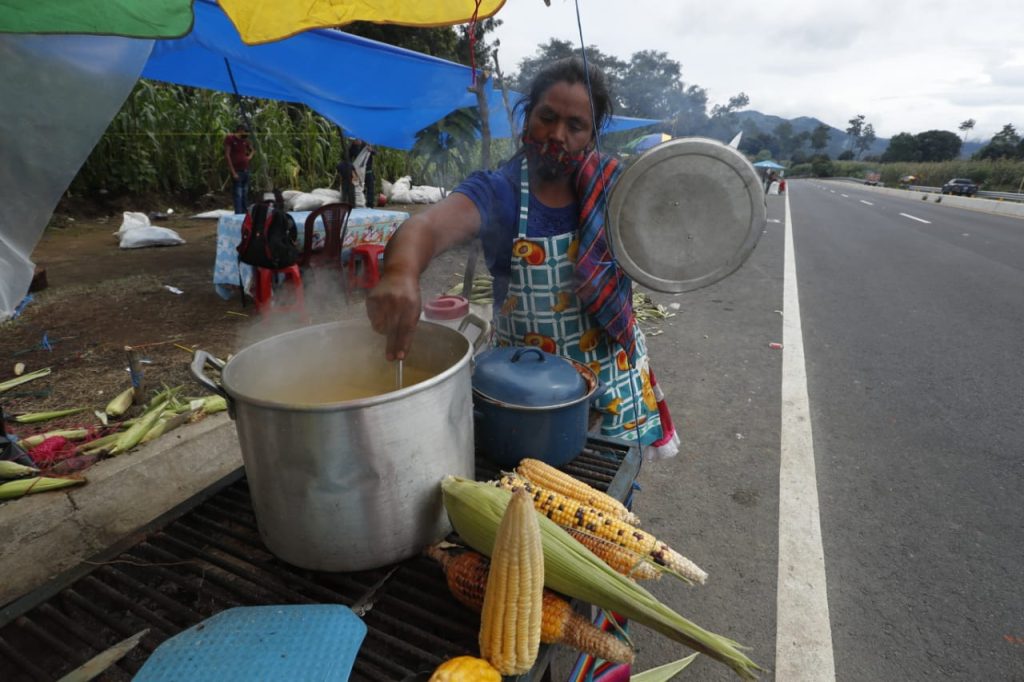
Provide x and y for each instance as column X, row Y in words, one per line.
column 238, row 152
column 362, row 158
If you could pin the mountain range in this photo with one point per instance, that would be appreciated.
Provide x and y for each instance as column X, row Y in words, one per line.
column 753, row 121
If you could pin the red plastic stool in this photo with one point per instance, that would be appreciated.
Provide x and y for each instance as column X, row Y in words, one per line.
column 362, row 264
column 263, row 290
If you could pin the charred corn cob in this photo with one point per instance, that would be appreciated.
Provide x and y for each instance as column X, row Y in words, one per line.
column 621, row 559
column 465, row 669
column 475, row 510
column 547, row 476
column 574, row 515
column 511, row 618
column 466, row 572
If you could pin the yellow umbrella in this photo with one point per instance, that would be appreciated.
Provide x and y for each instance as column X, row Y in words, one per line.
column 263, row 21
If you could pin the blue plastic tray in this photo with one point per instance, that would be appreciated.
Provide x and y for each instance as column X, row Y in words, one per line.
column 306, row 642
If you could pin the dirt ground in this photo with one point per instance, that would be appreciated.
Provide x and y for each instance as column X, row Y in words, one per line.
column 101, row 298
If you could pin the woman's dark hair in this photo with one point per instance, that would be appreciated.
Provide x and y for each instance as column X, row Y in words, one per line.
column 570, row 70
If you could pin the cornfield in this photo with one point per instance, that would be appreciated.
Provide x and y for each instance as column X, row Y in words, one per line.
column 168, row 139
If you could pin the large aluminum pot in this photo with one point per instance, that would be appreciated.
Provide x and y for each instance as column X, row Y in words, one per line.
column 343, row 469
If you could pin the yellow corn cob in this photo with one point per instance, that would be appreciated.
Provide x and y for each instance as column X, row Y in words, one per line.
column 466, row 572
column 39, row 484
column 120, row 404
column 465, row 669
column 547, row 476
column 9, row 469
column 621, row 559
column 511, row 619
column 574, row 515
column 475, row 510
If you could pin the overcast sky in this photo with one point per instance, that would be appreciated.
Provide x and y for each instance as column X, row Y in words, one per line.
column 907, row 66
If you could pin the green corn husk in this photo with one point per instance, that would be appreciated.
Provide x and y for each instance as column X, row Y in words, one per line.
column 120, row 404
column 99, row 445
column 24, row 378
column 133, row 436
column 214, row 403
column 166, row 424
column 30, row 442
column 38, row 484
column 10, row 470
column 36, row 417
column 476, row 509
column 663, row 673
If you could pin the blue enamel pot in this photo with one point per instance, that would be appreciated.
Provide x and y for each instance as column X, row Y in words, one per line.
column 528, row 403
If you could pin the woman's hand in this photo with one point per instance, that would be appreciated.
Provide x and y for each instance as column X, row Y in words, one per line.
column 394, row 309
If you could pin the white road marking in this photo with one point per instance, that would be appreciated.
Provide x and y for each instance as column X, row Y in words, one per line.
column 803, row 637
column 832, row 190
column 866, row 202
column 920, row 220
column 845, row 195
column 774, row 220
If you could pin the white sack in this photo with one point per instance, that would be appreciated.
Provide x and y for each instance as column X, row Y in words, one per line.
column 400, row 190
column 385, row 188
column 131, row 221
column 423, row 194
column 332, row 194
column 139, row 237
column 308, row 202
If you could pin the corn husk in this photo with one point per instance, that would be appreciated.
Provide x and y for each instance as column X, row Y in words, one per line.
column 9, row 470
column 476, row 509
column 120, row 404
column 99, row 445
column 30, row 442
column 24, row 378
column 166, row 424
column 134, row 435
column 663, row 673
column 36, row 417
column 26, row 486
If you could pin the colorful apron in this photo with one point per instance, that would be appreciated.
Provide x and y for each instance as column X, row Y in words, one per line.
column 541, row 309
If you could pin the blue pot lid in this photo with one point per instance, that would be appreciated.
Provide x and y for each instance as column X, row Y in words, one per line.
column 527, row 376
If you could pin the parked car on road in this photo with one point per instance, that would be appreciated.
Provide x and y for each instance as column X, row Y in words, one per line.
column 960, row 186
column 873, row 178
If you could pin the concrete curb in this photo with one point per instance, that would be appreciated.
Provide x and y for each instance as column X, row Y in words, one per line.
column 44, row 535
column 1009, row 209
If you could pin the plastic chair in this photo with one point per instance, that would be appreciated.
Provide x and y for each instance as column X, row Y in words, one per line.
column 362, row 264
column 335, row 220
column 263, row 290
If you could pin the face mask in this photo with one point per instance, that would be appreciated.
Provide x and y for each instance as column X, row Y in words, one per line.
column 551, row 159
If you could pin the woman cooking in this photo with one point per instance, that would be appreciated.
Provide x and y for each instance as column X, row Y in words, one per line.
column 540, row 218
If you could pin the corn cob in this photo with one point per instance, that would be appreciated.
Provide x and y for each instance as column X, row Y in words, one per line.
column 574, row 515
column 120, row 404
column 35, row 417
column 30, row 442
column 466, row 573
column 511, row 618
column 39, row 484
column 465, row 669
column 621, row 559
column 10, row 469
column 475, row 510
column 547, row 476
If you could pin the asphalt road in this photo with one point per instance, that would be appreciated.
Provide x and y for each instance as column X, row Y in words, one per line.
column 913, row 337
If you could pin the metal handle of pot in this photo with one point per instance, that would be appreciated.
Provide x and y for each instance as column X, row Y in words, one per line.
column 474, row 320
column 199, row 362
column 522, row 351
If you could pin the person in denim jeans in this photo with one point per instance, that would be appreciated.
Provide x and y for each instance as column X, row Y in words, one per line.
column 238, row 152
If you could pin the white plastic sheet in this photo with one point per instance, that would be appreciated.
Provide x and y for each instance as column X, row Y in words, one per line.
column 58, row 93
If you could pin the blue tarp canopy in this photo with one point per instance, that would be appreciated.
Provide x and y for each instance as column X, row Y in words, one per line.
column 376, row 92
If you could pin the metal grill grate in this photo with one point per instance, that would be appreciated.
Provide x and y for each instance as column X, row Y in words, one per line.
column 212, row 558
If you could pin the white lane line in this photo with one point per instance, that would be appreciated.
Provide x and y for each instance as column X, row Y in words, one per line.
column 845, row 195
column 920, row 220
column 866, row 202
column 832, row 190
column 803, row 637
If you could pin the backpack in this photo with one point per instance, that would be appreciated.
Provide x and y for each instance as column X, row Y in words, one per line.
column 268, row 238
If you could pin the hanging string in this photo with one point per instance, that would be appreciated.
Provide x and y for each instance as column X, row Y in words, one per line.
column 472, row 41
column 604, row 204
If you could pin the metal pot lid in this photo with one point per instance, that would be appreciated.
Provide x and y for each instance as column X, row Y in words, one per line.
column 527, row 376
column 686, row 214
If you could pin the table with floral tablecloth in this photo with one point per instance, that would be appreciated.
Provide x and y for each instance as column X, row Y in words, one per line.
column 365, row 226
